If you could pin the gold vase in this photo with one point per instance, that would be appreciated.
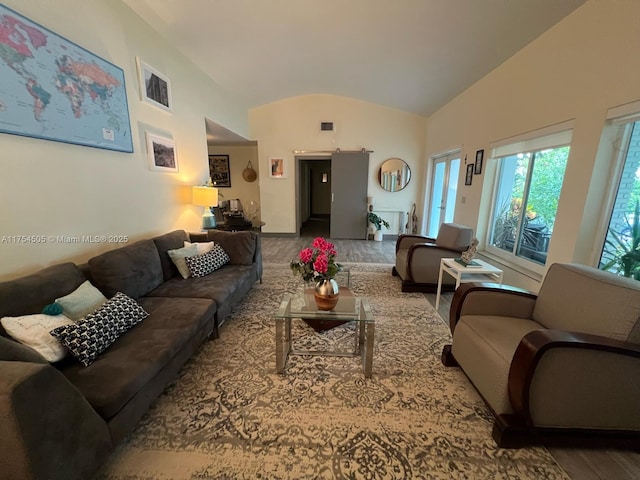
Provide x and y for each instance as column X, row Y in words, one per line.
column 326, row 294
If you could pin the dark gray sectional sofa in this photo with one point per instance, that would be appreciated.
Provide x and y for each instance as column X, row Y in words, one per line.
column 62, row 420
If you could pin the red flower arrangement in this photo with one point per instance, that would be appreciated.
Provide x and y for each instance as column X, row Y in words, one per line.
column 317, row 263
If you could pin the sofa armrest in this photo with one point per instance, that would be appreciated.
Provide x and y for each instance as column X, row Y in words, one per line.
column 571, row 379
column 405, row 241
column 48, row 430
column 481, row 298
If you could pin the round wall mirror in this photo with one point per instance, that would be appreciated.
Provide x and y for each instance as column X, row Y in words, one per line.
column 394, row 174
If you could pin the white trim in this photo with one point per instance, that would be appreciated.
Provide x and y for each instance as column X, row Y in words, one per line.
column 629, row 112
column 547, row 137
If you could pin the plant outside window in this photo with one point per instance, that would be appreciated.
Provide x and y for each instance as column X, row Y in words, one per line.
column 529, row 187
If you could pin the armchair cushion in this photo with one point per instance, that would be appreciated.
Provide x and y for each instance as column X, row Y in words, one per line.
column 579, row 298
column 454, row 236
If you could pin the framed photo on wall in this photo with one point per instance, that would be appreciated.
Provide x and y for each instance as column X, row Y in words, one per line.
column 219, row 170
column 276, row 167
column 469, row 176
column 478, row 165
column 161, row 153
column 155, row 88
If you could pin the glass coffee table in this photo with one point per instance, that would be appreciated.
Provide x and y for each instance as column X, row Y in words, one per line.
column 349, row 309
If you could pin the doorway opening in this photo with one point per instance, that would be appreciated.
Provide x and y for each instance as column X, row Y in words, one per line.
column 314, row 196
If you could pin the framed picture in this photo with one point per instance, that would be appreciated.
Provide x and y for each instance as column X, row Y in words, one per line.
column 155, row 88
column 276, row 167
column 219, row 170
column 469, row 177
column 53, row 89
column 161, row 152
column 478, row 166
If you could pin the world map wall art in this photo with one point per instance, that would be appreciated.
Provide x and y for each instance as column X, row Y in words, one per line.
column 53, row 89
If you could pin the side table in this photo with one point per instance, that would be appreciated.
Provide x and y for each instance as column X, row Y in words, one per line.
column 464, row 274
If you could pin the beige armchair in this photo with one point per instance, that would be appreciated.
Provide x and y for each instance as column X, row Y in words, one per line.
column 418, row 257
column 560, row 367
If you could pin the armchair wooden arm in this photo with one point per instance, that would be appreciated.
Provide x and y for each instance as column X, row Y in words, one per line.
column 483, row 298
column 406, row 240
column 536, row 344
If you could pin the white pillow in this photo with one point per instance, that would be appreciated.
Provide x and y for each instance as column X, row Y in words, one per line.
column 178, row 255
column 203, row 247
column 83, row 300
column 33, row 331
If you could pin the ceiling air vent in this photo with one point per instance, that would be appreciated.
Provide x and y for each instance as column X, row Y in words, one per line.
column 326, row 126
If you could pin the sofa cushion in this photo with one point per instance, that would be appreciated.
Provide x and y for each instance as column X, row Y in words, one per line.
column 201, row 265
column 240, row 246
column 33, row 331
column 166, row 242
column 136, row 357
column 583, row 299
column 226, row 287
column 93, row 334
column 134, row 270
column 178, row 257
column 31, row 293
column 83, row 300
column 203, row 247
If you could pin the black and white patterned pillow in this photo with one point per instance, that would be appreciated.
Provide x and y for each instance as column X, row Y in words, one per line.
column 91, row 335
column 201, row 265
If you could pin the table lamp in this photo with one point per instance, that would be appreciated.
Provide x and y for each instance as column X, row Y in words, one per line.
column 206, row 197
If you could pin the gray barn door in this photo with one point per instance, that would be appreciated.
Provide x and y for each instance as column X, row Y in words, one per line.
column 349, row 178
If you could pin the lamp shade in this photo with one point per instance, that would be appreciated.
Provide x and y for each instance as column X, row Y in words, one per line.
column 205, row 196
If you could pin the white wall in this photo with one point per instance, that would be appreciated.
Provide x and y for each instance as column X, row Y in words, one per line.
column 578, row 69
column 294, row 124
column 50, row 188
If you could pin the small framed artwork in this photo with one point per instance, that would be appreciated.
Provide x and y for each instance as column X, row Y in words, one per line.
column 155, row 88
column 276, row 166
column 478, row 165
column 161, row 152
column 469, row 177
column 219, row 170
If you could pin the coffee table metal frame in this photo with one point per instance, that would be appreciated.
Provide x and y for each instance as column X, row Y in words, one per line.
column 363, row 338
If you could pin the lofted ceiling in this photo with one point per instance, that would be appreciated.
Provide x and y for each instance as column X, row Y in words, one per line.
column 412, row 55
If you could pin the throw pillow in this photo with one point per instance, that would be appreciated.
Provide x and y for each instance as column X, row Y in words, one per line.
column 203, row 247
column 202, row 265
column 178, row 258
column 90, row 336
column 33, row 331
column 83, row 300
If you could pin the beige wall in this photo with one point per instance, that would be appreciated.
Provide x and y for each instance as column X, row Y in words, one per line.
column 294, row 124
column 583, row 66
column 51, row 189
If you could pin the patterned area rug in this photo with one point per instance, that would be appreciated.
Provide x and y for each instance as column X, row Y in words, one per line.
column 230, row 416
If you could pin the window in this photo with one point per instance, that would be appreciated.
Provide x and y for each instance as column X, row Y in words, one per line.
column 529, row 180
column 621, row 250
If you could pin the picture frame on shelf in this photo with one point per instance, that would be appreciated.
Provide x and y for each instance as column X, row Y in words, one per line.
column 155, row 88
column 219, row 170
column 276, row 167
column 468, row 179
column 478, row 164
column 161, row 153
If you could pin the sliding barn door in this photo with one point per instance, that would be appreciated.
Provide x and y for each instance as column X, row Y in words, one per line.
column 349, row 178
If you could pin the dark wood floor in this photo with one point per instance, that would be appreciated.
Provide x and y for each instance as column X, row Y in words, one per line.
column 578, row 463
